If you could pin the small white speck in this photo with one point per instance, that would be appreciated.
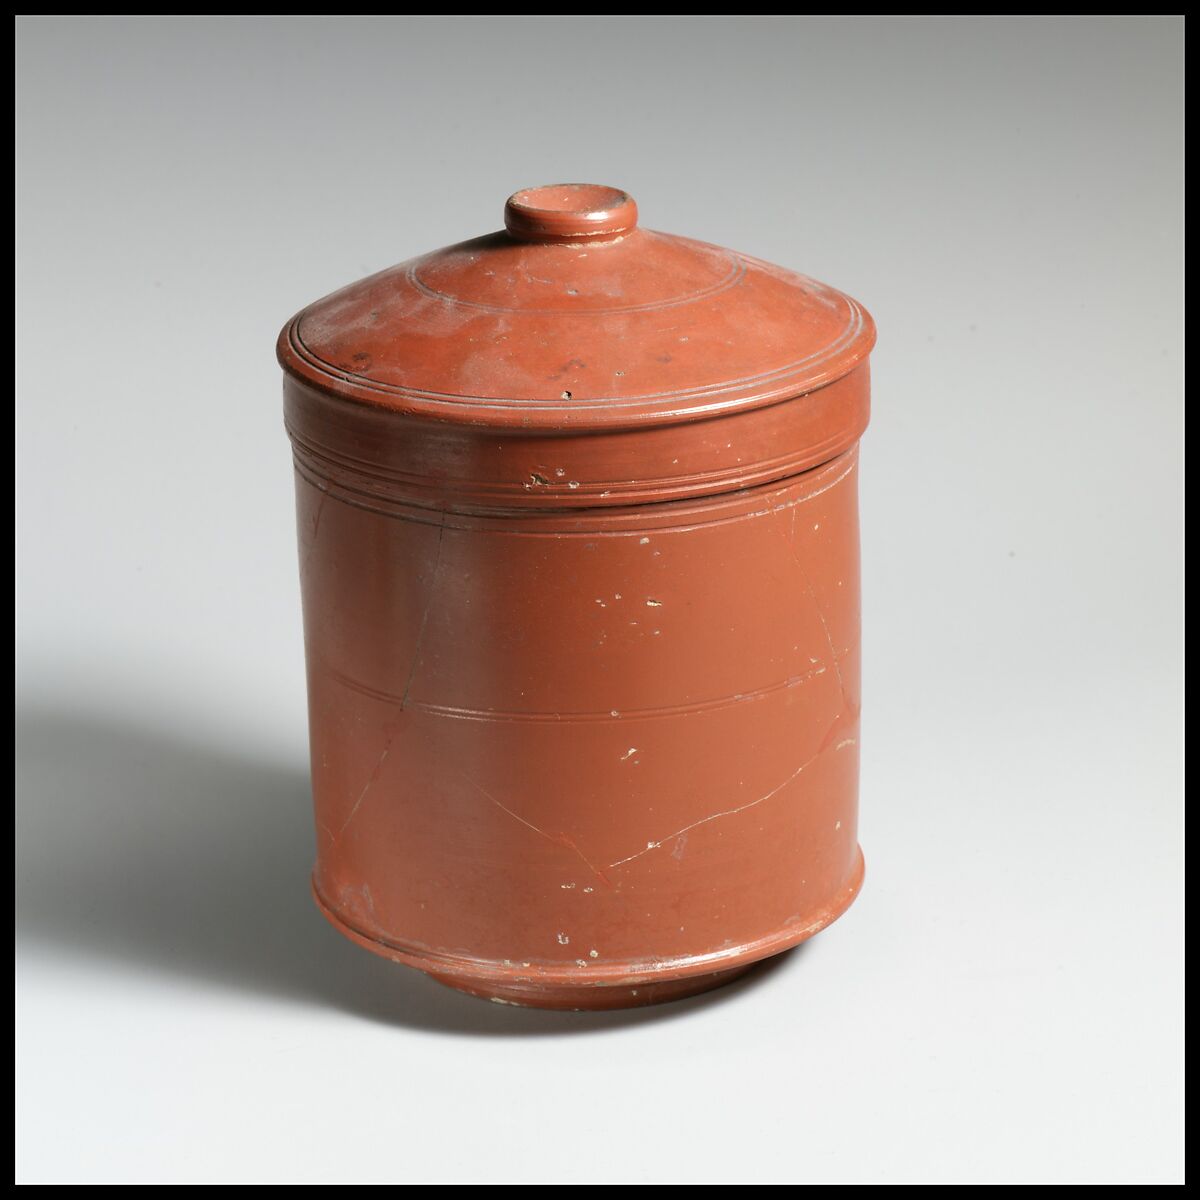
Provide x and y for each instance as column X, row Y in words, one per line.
column 817, row 525
column 593, row 954
column 629, row 753
column 643, row 541
column 838, row 825
column 566, row 887
column 616, row 595
column 614, row 713
column 589, row 889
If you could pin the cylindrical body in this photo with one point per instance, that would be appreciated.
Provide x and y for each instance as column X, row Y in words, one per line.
column 584, row 701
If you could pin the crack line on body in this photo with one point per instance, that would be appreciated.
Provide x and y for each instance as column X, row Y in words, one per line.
column 557, row 839
column 730, row 812
column 851, row 708
column 316, row 529
column 433, row 582
column 371, row 782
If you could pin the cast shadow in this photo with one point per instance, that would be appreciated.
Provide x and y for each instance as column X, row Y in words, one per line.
column 147, row 853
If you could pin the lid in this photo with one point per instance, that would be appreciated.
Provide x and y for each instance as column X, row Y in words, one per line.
column 575, row 318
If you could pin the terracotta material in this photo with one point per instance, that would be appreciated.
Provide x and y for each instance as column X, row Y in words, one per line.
column 579, row 558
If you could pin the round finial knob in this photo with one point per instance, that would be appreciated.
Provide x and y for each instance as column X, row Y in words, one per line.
column 569, row 212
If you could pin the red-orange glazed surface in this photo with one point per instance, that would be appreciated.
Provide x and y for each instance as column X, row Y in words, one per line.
column 578, row 544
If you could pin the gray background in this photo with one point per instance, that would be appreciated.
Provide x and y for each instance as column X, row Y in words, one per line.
column 1003, row 1003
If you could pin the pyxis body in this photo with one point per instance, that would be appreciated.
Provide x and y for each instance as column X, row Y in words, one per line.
column 579, row 563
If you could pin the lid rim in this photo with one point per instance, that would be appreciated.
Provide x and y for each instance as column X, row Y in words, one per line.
column 599, row 413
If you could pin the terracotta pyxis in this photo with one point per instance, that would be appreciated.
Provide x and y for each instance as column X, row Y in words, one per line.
column 578, row 530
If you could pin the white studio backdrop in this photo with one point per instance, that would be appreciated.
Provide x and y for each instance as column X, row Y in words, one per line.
column 1005, row 196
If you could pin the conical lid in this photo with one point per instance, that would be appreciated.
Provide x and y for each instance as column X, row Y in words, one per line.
column 574, row 318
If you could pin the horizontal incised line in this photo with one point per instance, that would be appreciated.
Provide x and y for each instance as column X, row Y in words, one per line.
column 737, row 271
column 397, row 510
column 640, row 714
column 324, row 462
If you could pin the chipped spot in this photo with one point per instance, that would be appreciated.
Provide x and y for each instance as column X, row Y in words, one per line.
column 629, row 753
column 643, row 541
column 654, row 604
column 538, row 478
column 593, row 954
column 563, row 940
column 566, row 887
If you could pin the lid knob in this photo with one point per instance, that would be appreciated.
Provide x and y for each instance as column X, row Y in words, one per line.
column 569, row 212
